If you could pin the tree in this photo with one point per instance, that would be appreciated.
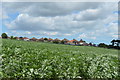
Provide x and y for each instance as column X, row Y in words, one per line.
column 56, row 41
column 64, row 41
column 103, row 45
column 113, row 42
column 4, row 35
column 46, row 39
column 15, row 38
column 75, row 41
column 21, row 38
column 11, row 37
column 90, row 44
column 118, row 43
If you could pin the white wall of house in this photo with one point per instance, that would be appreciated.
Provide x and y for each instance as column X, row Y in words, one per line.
column 26, row 39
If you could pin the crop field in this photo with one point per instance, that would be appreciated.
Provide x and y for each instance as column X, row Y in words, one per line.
column 46, row 60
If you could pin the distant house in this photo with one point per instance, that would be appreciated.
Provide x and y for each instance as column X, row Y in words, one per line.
column 56, row 40
column 83, row 43
column 33, row 39
column 73, row 42
column 50, row 40
column 20, row 38
column 17, row 38
column 0, row 37
column 90, row 44
column 41, row 40
column 64, row 41
column 8, row 37
column 26, row 39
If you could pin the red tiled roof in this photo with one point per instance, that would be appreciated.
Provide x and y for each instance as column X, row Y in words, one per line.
column 72, row 40
column 34, row 38
column 25, row 38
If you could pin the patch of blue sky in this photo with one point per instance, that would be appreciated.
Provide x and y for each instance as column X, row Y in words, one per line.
column 102, row 39
column 118, row 22
column 12, row 16
column 4, row 28
column 106, row 25
column 115, row 21
column 75, row 12
column 115, row 11
column 0, row 26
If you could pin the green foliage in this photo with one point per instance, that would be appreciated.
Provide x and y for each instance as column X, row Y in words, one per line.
column 103, row 45
column 62, row 42
column 56, row 41
column 4, row 35
column 46, row 60
column 11, row 37
column 45, row 38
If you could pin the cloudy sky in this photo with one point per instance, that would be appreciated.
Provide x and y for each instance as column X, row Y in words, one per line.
column 91, row 21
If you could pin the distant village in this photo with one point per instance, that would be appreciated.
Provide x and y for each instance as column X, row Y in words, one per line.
column 57, row 41
column 114, row 43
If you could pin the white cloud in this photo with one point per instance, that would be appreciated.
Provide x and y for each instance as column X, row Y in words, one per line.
column 86, row 36
column 28, row 32
column 64, row 19
column 50, row 33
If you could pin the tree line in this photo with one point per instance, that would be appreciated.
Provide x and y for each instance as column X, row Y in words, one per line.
column 114, row 43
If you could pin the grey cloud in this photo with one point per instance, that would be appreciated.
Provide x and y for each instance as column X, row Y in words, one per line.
column 48, row 8
column 61, row 18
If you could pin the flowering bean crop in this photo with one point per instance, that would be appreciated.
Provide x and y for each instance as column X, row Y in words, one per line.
column 26, row 59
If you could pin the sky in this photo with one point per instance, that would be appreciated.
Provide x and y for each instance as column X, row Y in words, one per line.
column 95, row 22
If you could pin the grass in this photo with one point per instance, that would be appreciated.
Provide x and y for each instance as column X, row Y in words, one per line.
column 45, row 60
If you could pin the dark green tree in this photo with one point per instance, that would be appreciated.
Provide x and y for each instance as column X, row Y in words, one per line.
column 56, row 41
column 103, row 45
column 11, row 37
column 4, row 36
column 113, row 42
column 46, row 39
column 64, row 41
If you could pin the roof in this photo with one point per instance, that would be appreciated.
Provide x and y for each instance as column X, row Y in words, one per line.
column 17, row 37
column 72, row 40
column 25, row 38
column 65, row 39
column 50, row 39
column 57, row 39
column 33, row 38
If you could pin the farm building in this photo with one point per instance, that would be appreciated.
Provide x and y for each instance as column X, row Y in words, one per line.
column 56, row 40
column 26, row 39
column 41, row 40
column 73, row 42
column 81, row 42
column 17, row 38
column 50, row 40
column 33, row 39
column 64, row 41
